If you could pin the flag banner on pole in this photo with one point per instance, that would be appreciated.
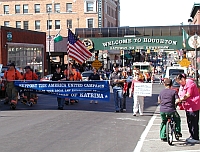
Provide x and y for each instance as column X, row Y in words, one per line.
column 80, row 90
column 58, row 37
column 76, row 49
column 185, row 37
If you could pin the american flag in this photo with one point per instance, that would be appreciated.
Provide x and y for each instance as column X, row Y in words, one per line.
column 76, row 49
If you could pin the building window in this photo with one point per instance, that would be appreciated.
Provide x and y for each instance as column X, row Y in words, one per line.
column 89, row 6
column 49, row 24
column 25, row 8
column 6, row 9
column 57, row 8
column 49, row 8
column 17, row 9
column 90, row 23
column 37, row 25
column 18, row 24
column 69, row 7
column 6, row 23
column 26, row 25
column 69, row 24
column 37, row 8
column 57, row 24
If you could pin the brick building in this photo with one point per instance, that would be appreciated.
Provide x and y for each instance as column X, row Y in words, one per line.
column 52, row 16
column 23, row 47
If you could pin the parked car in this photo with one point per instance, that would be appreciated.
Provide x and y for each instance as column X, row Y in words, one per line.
column 47, row 78
column 85, row 75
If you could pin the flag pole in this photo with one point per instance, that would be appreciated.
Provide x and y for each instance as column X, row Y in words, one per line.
column 68, row 54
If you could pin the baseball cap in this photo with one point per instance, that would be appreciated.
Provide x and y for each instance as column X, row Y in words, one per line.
column 27, row 67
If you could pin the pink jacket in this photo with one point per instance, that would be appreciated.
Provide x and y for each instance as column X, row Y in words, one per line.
column 193, row 102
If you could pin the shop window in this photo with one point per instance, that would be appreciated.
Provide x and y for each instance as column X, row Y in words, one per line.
column 89, row 6
column 26, row 25
column 37, row 8
column 90, row 23
column 57, row 8
column 69, row 7
column 49, row 24
column 49, row 8
column 37, row 25
column 6, row 23
column 25, row 8
column 18, row 24
column 17, row 9
column 6, row 9
column 57, row 24
column 69, row 23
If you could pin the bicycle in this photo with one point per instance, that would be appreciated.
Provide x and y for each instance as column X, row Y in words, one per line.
column 171, row 129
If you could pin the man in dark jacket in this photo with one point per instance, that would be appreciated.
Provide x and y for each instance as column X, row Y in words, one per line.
column 58, row 76
column 94, row 76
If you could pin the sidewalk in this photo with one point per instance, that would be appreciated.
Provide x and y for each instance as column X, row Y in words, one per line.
column 150, row 140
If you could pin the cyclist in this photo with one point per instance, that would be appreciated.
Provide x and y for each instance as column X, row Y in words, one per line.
column 168, row 99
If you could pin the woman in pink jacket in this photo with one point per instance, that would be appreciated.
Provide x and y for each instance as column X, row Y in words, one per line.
column 190, row 98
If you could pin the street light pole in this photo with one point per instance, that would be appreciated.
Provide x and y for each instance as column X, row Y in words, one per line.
column 196, row 70
column 49, row 37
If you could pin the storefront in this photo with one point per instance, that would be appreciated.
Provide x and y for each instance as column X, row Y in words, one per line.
column 23, row 47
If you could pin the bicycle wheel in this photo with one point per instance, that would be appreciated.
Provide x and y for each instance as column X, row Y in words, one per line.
column 169, row 133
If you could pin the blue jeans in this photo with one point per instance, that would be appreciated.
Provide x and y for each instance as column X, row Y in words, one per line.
column 61, row 102
column 117, row 92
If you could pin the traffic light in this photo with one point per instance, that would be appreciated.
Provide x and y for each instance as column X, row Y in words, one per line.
column 96, row 56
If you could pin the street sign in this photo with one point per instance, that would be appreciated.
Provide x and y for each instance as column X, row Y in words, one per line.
column 185, row 62
column 192, row 42
column 96, row 64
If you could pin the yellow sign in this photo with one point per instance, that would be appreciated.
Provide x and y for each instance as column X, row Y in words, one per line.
column 96, row 64
column 185, row 62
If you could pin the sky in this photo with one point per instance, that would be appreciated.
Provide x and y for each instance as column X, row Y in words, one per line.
column 136, row 13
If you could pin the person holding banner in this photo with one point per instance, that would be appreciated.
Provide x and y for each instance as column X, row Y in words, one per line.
column 168, row 98
column 117, row 84
column 59, row 76
column 30, row 97
column 94, row 76
column 138, row 100
column 10, row 76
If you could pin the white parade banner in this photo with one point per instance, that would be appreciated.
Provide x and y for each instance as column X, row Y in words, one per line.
column 143, row 89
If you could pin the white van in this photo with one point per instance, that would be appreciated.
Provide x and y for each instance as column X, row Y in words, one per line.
column 173, row 71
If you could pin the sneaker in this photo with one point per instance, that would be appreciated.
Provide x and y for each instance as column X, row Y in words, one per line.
column 124, row 110
column 193, row 141
column 179, row 134
column 188, row 138
column 141, row 114
column 96, row 102
column 116, row 111
column 134, row 114
column 91, row 101
column 164, row 139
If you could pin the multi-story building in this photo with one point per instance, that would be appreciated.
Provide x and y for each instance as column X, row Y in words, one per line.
column 53, row 16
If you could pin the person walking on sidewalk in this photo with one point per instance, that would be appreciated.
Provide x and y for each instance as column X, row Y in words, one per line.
column 168, row 99
column 190, row 97
column 94, row 76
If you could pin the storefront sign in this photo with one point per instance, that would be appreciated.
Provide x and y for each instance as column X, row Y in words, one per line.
column 9, row 36
column 133, row 43
column 100, row 13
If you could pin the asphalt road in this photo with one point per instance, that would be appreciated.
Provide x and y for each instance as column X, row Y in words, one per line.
column 81, row 127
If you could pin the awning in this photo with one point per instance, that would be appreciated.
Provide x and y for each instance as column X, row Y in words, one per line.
column 128, row 56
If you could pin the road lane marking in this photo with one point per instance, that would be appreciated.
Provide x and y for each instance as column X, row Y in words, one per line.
column 144, row 134
column 130, row 119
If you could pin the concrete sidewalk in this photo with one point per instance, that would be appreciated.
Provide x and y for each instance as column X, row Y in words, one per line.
column 150, row 140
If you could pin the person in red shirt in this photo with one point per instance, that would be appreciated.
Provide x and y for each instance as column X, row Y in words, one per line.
column 29, row 96
column 12, row 93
